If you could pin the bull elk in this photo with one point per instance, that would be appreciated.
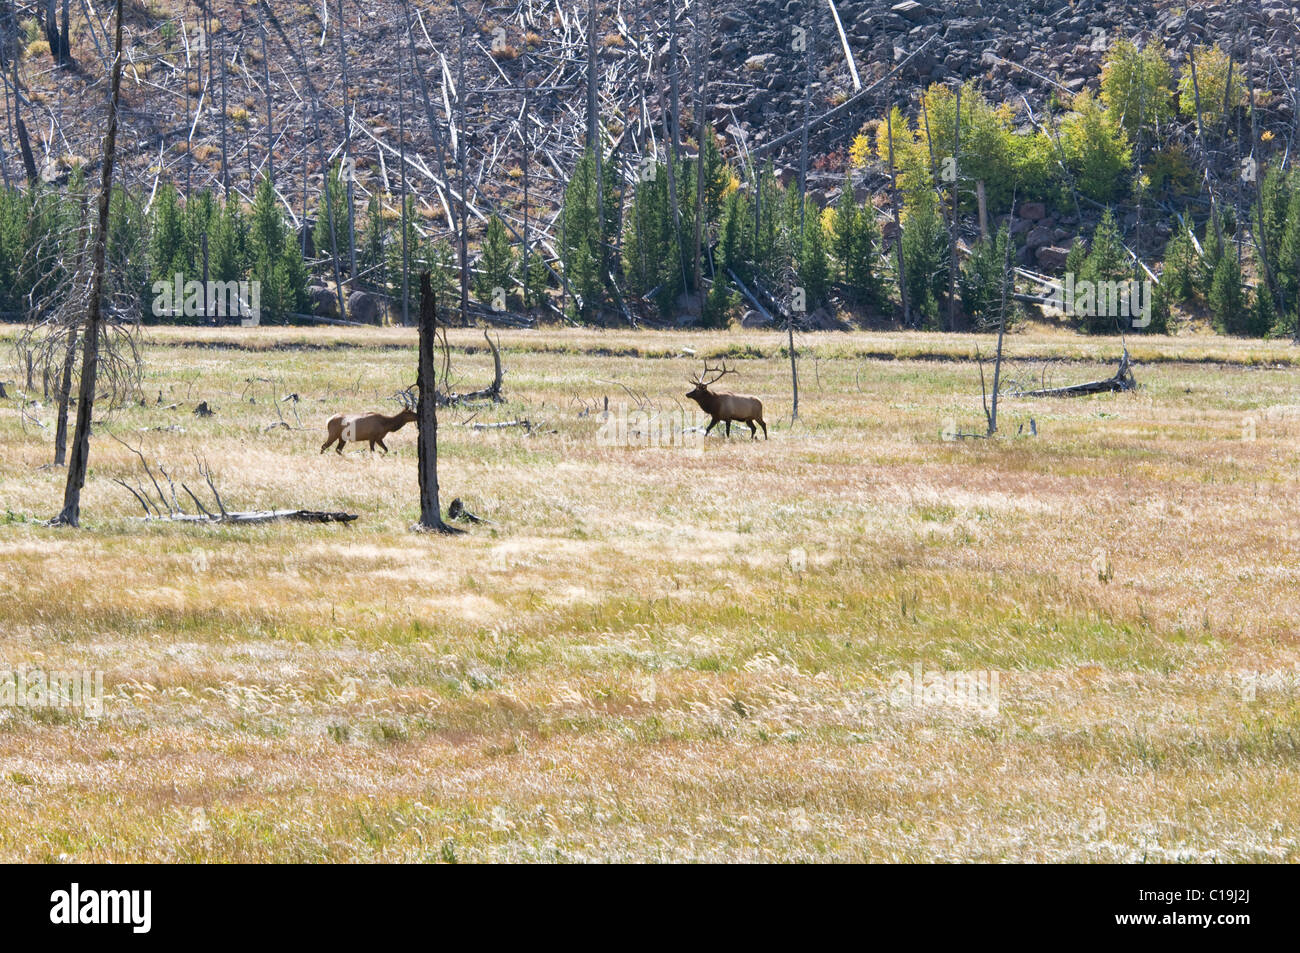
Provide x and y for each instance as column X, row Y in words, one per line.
column 366, row 428
column 726, row 407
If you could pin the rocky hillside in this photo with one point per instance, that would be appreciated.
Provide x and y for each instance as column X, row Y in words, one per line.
column 756, row 77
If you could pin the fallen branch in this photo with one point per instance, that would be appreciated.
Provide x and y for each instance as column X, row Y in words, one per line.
column 457, row 511
column 501, row 425
column 1122, row 380
column 491, row 392
column 260, row 516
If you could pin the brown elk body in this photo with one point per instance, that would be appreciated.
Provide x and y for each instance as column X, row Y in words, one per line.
column 364, row 428
column 727, row 407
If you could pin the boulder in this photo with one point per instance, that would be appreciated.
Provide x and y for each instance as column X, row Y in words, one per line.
column 364, row 307
column 1039, row 237
column 1051, row 258
column 324, row 303
column 910, row 10
column 1033, row 211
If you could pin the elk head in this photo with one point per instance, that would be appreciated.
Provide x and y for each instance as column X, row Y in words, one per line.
column 701, row 385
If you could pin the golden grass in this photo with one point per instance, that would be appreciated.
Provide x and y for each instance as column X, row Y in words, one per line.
column 651, row 654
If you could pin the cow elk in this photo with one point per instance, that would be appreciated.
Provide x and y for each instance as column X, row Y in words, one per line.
column 367, row 428
column 726, row 407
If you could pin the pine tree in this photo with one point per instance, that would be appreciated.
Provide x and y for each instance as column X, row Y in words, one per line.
column 536, row 277
column 814, row 264
column 1288, row 261
column 846, row 220
column 1212, row 249
column 586, row 230
column 167, row 247
column 735, row 244
column 127, row 251
column 1264, row 317
column 1107, row 261
column 276, row 262
column 12, row 216
column 372, row 253
column 981, row 279
column 857, row 246
column 925, row 257
column 766, row 239
column 496, row 263
column 334, row 200
column 1177, row 276
column 228, row 246
column 1226, row 299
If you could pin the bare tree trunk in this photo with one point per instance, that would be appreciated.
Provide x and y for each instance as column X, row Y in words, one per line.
column 898, row 221
column 65, row 44
column 525, row 136
column 65, row 392
column 427, row 411
column 674, row 113
column 794, row 370
column 803, row 129
column 347, row 151
column 20, row 128
column 401, row 145
column 71, row 513
column 952, row 220
column 225, row 165
column 270, row 118
column 462, row 161
column 701, row 124
column 1002, row 329
column 593, row 134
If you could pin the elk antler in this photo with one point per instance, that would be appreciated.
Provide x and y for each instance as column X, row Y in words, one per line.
column 717, row 372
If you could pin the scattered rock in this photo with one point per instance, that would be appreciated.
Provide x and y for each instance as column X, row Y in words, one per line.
column 911, row 10
column 1051, row 258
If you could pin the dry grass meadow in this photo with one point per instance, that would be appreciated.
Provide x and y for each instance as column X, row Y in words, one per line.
column 655, row 654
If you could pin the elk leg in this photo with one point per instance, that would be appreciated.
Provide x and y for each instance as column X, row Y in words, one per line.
column 728, row 429
column 327, row 444
column 712, row 423
column 372, row 446
column 753, row 431
column 764, row 425
column 339, row 448
column 382, row 444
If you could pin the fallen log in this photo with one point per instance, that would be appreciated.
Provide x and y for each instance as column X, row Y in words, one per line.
column 500, row 425
column 259, row 516
column 1122, row 380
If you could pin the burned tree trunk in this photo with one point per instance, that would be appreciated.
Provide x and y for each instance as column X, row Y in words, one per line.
column 65, row 392
column 427, row 411
column 94, row 317
column 347, row 152
column 20, row 128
